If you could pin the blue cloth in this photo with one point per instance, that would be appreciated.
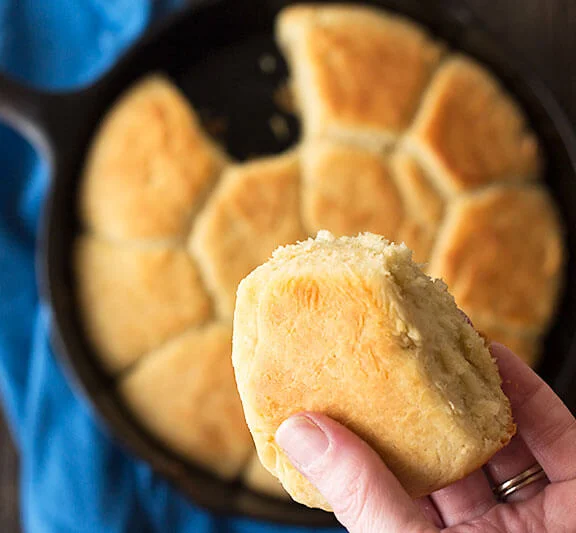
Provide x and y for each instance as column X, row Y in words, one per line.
column 74, row 478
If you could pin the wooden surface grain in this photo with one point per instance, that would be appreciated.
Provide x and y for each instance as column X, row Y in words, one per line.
column 541, row 32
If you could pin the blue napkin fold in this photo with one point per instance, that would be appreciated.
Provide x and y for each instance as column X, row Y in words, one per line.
column 74, row 478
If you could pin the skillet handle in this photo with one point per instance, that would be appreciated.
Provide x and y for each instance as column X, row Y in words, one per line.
column 48, row 120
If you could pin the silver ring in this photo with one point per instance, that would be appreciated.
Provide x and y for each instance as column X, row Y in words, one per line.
column 529, row 476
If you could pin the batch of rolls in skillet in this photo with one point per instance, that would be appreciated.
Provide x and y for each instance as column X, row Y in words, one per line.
column 402, row 137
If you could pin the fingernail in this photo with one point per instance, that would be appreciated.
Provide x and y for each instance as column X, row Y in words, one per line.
column 303, row 441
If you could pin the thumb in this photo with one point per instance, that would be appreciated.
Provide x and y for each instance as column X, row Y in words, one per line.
column 363, row 493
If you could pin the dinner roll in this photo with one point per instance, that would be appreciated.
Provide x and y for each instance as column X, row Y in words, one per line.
column 496, row 276
column 352, row 328
column 470, row 133
column 149, row 165
column 134, row 298
column 253, row 210
column 347, row 189
column 184, row 394
column 358, row 73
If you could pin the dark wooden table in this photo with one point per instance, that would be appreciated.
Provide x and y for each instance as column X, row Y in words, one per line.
column 543, row 32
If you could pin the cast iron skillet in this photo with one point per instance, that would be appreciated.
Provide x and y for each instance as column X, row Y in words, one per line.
column 211, row 51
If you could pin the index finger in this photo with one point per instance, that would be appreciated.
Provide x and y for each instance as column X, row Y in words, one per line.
column 544, row 422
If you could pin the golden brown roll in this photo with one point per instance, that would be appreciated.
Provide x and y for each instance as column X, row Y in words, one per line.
column 469, row 132
column 185, row 394
column 254, row 209
column 500, row 252
column 133, row 298
column 347, row 189
column 148, row 167
column 352, row 328
column 358, row 73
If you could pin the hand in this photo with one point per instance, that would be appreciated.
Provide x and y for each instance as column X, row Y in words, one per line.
column 366, row 497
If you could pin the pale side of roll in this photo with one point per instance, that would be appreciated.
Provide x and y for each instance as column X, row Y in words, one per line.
column 352, row 328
